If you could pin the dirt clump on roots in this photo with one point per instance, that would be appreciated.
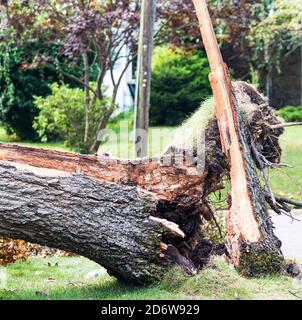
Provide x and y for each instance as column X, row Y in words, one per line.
column 258, row 118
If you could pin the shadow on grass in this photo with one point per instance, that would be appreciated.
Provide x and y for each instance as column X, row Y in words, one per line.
column 63, row 278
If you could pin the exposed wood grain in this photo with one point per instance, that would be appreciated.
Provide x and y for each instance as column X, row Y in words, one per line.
column 248, row 222
column 169, row 182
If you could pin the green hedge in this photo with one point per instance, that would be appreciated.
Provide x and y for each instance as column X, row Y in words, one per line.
column 20, row 81
column 291, row 113
column 179, row 84
column 18, row 85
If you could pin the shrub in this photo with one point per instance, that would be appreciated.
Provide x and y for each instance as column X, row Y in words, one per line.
column 179, row 83
column 290, row 113
column 62, row 117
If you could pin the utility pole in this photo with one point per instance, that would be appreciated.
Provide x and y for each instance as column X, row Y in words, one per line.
column 143, row 80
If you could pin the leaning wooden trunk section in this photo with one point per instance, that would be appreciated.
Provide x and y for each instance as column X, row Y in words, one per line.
column 250, row 236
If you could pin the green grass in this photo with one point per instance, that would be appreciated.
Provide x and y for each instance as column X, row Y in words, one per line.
column 288, row 181
column 41, row 278
column 50, row 145
column 31, row 279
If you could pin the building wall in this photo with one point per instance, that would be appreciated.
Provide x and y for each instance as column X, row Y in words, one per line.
column 124, row 99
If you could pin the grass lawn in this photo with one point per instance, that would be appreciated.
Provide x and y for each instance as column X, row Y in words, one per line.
column 121, row 145
column 49, row 145
column 58, row 278
column 41, row 278
column 288, row 181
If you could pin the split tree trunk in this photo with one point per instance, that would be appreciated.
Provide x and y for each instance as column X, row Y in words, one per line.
column 116, row 213
column 137, row 217
column 251, row 242
column 162, row 176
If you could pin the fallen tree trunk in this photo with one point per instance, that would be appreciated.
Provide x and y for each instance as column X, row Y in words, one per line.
column 105, row 222
column 135, row 218
column 102, row 209
column 158, row 175
column 113, row 212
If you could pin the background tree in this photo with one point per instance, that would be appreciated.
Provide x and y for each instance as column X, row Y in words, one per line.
column 275, row 38
column 61, row 116
column 280, row 32
column 179, row 83
column 233, row 21
column 18, row 85
column 90, row 35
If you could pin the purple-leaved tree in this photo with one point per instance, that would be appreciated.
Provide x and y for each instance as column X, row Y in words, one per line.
column 88, row 36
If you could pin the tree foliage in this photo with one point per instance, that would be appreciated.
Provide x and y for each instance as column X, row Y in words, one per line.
column 179, row 83
column 279, row 33
column 61, row 116
column 291, row 113
column 90, row 35
column 252, row 34
column 18, row 85
column 232, row 19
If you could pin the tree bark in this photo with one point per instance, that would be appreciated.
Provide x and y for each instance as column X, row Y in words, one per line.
column 161, row 176
column 132, row 218
column 105, row 222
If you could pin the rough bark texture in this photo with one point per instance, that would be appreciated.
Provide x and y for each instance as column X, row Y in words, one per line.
column 253, row 247
column 115, row 206
column 107, row 223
